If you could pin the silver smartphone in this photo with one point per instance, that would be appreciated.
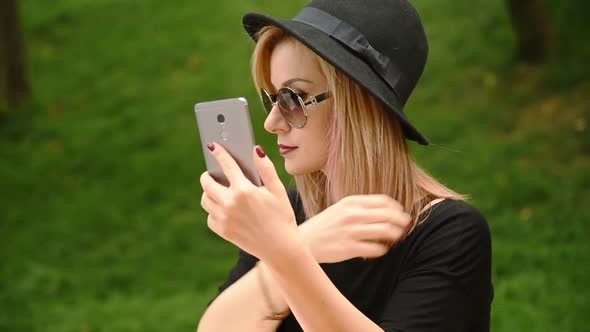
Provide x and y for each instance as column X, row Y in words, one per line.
column 227, row 122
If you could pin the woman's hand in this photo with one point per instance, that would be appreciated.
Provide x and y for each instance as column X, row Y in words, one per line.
column 356, row 226
column 259, row 220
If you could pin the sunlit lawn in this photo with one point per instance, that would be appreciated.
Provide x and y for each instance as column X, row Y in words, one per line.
column 100, row 224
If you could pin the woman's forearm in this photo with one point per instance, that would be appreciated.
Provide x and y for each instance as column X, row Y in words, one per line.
column 242, row 306
column 312, row 297
column 293, row 280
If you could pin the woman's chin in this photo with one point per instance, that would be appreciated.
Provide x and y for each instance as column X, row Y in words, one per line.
column 294, row 168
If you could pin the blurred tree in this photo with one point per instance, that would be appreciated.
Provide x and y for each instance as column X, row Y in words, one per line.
column 14, row 82
column 536, row 39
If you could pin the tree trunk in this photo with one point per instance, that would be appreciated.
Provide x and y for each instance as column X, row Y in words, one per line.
column 14, row 82
column 536, row 38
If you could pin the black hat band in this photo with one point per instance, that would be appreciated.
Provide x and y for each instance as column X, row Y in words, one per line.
column 356, row 41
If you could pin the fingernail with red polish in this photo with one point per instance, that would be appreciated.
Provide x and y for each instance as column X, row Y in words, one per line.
column 211, row 147
column 260, row 151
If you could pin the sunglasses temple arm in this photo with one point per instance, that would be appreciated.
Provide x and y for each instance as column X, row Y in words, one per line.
column 317, row 99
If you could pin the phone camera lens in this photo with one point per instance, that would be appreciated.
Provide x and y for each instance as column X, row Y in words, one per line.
column 220, row 118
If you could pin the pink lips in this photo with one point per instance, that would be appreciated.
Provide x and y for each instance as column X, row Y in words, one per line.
column 284, row 149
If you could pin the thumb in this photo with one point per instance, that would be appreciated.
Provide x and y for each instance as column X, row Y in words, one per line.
column 267, row 172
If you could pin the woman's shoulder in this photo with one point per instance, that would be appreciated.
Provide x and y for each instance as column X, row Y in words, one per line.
column 454, row 231
column 454, row 214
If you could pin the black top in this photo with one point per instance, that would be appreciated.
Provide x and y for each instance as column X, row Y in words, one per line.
column 436, row 279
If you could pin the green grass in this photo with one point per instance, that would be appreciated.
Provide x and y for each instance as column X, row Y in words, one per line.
column 100, row 224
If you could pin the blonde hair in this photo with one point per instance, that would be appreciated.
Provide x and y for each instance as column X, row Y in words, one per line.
column 363, row 139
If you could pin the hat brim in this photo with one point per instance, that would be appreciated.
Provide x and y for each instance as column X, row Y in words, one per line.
column 341, row 58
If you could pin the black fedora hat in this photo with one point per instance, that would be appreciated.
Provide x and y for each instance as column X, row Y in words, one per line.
column 380, row 44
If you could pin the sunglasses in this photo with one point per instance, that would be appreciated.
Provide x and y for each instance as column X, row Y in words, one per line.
column 291, row 104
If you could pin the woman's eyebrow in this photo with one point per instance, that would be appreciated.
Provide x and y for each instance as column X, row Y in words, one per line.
column 296, row 79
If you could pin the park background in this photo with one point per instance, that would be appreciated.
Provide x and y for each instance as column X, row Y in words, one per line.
column 100, row 223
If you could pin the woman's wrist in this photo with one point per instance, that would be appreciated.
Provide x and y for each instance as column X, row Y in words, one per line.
column 276, row 311
column 284, row 243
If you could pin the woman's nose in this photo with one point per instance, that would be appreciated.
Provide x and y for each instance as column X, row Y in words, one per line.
column 275, row 122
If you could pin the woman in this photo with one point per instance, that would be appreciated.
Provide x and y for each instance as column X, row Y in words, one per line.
column 384, row 246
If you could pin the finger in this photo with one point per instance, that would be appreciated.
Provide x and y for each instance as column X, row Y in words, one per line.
column 268, row 172
column 389, row 215
column 213, row 224
column 381, row 215
column 400, row 218
column 211, row 207
column 228, row 164
column 383, row 232
column 369, row 249
column 216, row 191
column 207, row 203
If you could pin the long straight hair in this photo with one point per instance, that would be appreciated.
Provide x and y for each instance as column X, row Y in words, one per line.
column 368, row 153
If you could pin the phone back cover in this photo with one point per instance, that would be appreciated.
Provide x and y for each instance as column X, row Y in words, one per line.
column 235, row 134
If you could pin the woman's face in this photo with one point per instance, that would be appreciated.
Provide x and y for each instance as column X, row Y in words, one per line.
column 299, row 69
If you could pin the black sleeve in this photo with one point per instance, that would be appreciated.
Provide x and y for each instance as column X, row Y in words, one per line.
column 246, row 261
column 446, row 281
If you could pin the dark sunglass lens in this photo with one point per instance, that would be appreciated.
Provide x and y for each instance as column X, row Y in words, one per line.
column 290, row 107
column 266, row 101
